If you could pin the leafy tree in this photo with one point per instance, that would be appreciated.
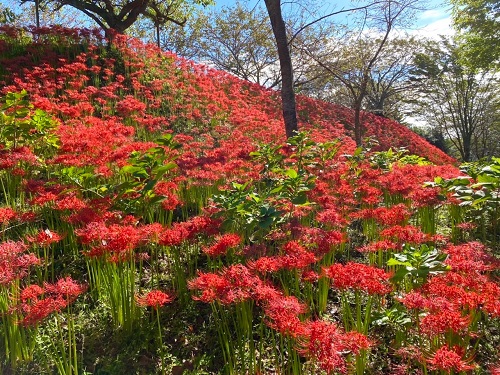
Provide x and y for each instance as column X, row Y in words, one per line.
column 161, row 12
column 40, row 5
column 462, row 102
column 121, row 14
column 236, row 39
column 279, row 29
column 390, row 84
column 6, row 15
column 354, row 60
column 478, row 22
column 389, row 80
column 185, row 41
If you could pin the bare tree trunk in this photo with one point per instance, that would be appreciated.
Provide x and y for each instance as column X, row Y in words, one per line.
column 37, row 13
column 358, row 126
column 158, row 35
column 287, row 93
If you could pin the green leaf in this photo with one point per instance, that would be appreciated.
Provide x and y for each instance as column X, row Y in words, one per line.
column 292, row 173
column 160, row 171
column 394, row 262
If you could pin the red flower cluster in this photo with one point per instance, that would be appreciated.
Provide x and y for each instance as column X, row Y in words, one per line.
column 44, row 238
column 449, row 359
column 405, row 234
column 7, row 214
column 223, row 244
column 296, row 257
column 37, row 303
column 358, row 276
column 326, row 344
column 154, row 299
column 14, row 261
column 233, row 284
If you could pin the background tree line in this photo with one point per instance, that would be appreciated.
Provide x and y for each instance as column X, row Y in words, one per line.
column 364, row 60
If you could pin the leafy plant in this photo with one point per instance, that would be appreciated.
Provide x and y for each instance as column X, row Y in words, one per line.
column 479, row 194
column 248, row 211
column 22, row 125
column 414, row 265
column 145, row 169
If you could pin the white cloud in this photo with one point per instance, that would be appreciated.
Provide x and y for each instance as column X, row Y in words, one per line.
column 436, row 28
column 432, row 14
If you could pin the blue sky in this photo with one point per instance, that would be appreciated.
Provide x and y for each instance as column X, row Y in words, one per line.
column 430, row 23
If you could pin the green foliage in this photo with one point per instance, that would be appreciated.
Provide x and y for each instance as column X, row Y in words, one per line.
column 22, row 125
column 414, row 265
column 479, row 26
column 258, row 207
column 6, row 15
column 145, row 169
column 460, row 101
column 248, row 211
column 479, row 194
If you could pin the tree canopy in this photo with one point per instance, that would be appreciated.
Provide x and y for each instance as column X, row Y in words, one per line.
column 478, row 22
column 462, row 102
column 119, row 15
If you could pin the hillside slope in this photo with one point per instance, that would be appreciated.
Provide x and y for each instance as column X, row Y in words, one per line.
column 135, row 85
column 154, row 219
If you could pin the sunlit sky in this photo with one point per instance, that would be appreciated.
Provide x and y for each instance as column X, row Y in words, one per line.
column 430, row 23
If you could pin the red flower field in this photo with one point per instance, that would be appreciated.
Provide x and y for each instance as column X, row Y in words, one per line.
column 155, row 219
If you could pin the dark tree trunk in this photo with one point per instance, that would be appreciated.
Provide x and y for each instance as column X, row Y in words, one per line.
column 158, row 35
column 37, row 13
column 287, row 93
column 467, row 140
column 358, row 128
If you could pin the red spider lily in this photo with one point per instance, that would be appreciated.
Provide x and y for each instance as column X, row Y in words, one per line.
column 264, row 265
column 383, row 245
column 7, row 214
column 66, row 287
column 38, row 309
column 394, row 215
column 168, row 190
column 358, row 276
column 56, row 297
column 129, row 105
column 173, row 236
column 154, row 299
column 223, row 244
column 233, row 284
column 69, row 202
column 331, row 217
column 14, row 262
column 31, row 292
column 466, row 226
column 321, row 241
column 327, row 345
column 442, row 321
column 310, row 276
column 405, row 234
column 470, row 258
column 449, row 359
column 415, row 300
column 296, row 257
column 45, row 238
column 114, row 239
column 283, row 314
column 10, row 159
column 425, row 197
